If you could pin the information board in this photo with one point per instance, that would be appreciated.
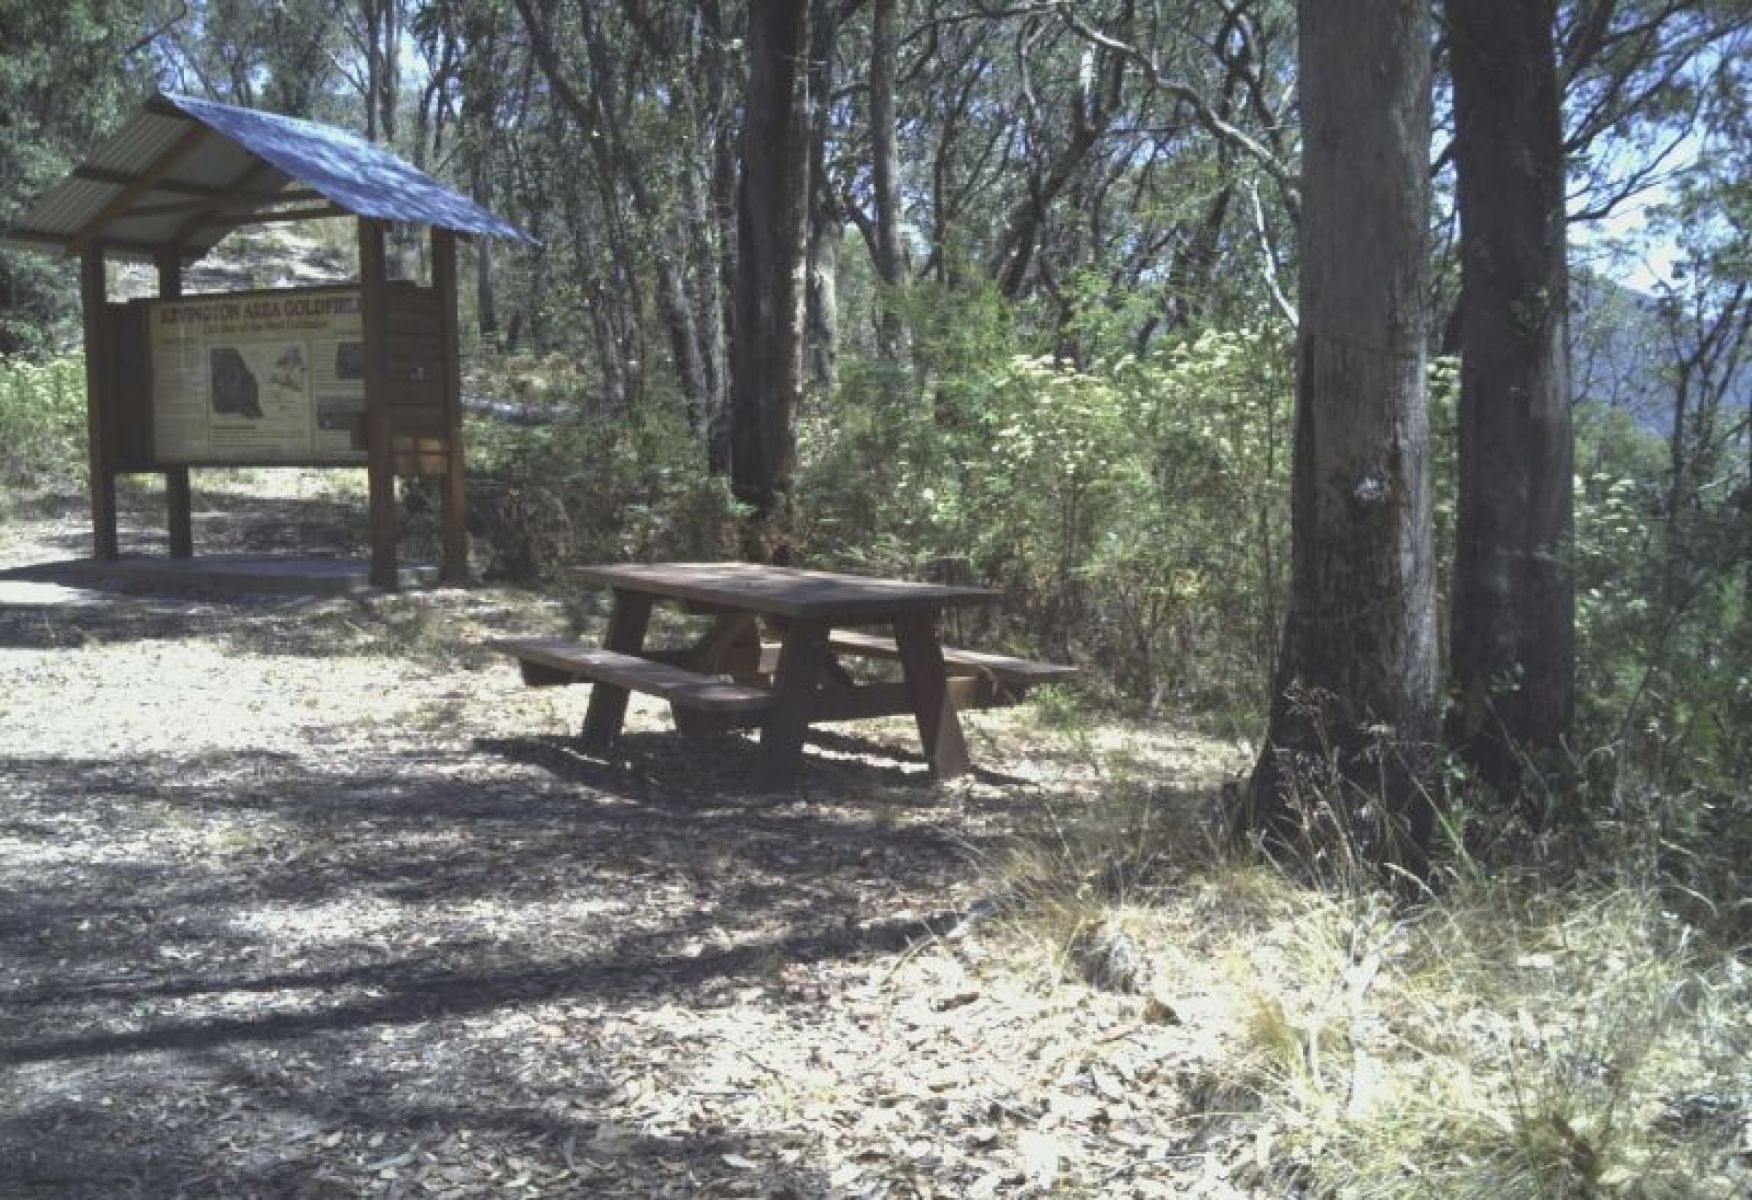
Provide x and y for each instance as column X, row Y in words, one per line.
column 257, row 379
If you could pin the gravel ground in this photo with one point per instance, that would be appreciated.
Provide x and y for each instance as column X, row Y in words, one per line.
column 312, row 898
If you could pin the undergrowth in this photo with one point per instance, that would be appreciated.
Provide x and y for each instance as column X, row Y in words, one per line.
column 42, row 421
column 1504, row 1036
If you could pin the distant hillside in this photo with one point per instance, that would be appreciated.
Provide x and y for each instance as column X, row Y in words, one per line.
column 1621, row 348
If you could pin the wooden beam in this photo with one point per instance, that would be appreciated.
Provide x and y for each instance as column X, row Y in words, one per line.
column 64, row 241
column 37, row 238
column 453, row 507
column 158, row 106
column 196, row 220
column 380, row 463
column 244, row 202
column 272, row 218
column 119, row 203
column 93, row 294
column 170, row 186
column 895, row 699
column 178, row 498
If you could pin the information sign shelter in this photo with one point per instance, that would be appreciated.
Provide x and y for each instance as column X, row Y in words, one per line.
column 330, row 376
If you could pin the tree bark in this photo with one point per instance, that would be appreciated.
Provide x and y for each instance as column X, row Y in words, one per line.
column 885, row 168
column 1354, row 710
column 1513, row 640
column 715, row 241
column 771, row 231
column 826, row 221
column 479, row 76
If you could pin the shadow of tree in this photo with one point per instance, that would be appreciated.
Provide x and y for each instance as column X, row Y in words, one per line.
column 297, row 974
column 130, row 976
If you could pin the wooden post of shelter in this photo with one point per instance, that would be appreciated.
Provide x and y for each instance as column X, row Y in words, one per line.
column 93, row 295
column 177, row 498
column 380, row 460
column 453, row 566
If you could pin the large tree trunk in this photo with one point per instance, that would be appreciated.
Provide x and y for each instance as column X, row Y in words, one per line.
column 1513, row 641
column 1354, row 698
column 771, row 230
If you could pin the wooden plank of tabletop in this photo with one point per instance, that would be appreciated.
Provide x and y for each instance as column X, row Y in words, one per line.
column 785, row 591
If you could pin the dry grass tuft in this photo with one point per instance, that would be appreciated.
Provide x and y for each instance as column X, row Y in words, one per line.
column 1504, row 1037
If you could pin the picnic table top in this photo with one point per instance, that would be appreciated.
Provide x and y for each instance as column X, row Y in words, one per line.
column 784, row 591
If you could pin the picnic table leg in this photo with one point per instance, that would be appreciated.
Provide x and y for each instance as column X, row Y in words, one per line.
column 731, row 647
column 608, row 703
column 927, row 683
column 781, row 736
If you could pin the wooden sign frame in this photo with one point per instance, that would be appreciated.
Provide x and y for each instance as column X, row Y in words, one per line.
column 413, row 401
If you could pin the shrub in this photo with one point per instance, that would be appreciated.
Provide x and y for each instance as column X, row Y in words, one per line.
column 586, row 490
column 42, row 422
column 1133, row 511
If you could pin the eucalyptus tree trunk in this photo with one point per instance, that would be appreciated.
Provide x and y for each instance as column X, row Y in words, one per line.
column 486, row 297
column 825, row 231
column 715, row 239
column 1354, row 710
column 1513, row 641
column 766, row 358
column 380, row 38
column 826, row 221
column 479, row 77
column 885, row 169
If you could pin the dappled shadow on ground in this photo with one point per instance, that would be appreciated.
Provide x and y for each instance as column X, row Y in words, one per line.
column 455, row 1149
column 328, row 942
column 716, row 772
column 239, row 521
column 45, row 607
column 56, row 606
column 48, row 505
column 224, row 517
column 307, row 898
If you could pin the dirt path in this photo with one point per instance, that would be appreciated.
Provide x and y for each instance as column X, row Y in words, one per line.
column 312, row 898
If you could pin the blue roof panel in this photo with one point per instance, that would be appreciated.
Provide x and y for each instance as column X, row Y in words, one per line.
column 362, row 178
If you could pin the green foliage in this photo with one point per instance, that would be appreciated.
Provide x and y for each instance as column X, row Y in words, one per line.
column 1665, row 639
column 42, row 422
column 64, row 79
column 1132, row 510
column 588, row 490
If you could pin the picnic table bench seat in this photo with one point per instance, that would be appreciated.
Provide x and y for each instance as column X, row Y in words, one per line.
column 1012, row 672
column 547, row 661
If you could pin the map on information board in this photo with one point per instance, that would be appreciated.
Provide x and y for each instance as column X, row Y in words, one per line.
column 260, row 378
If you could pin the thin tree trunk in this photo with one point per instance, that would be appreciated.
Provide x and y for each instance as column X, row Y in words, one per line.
column 1513, row 640
column 486, row 306
column 1354, row 710
column 772, row 221
column 826, row 226
column 717, row 237
column 825, row 232
column 885, row 167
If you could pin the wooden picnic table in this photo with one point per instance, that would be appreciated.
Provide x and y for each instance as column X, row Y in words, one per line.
column 730, row 677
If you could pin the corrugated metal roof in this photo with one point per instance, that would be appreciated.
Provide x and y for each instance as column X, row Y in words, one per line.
column 248, row 160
